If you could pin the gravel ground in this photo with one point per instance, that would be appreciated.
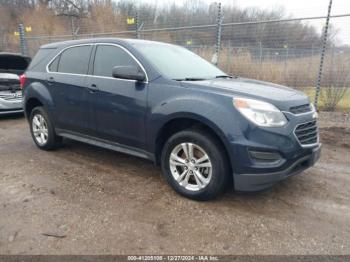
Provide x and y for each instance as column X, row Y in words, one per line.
column 85, row 200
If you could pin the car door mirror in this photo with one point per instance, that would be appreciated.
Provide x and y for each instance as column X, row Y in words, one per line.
column 128, row 72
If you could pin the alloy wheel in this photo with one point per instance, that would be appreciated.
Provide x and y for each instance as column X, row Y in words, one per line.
column 190, row 166
column 40, row 130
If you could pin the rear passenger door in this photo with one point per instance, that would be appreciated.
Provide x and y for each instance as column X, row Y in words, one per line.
column 120, row 106
column 72, row 100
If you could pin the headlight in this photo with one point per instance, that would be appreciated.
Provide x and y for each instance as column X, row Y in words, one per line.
column 260, row 113
column 312, row 107
column 313, row 110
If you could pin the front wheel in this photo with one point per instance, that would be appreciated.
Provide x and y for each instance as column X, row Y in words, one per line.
column 194, row 164
column 42, row 130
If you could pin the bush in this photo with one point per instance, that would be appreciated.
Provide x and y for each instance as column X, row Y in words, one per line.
column 335, row 80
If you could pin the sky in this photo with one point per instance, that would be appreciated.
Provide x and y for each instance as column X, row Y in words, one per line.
column 297, row 8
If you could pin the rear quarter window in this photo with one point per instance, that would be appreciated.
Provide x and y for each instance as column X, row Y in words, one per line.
column 41, row 59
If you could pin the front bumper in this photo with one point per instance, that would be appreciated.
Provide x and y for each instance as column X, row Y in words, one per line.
column 261, row 181
column 261, row 157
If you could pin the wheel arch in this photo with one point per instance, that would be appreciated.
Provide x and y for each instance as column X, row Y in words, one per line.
column 181, row 122
column 36, row 94
column 30, row 104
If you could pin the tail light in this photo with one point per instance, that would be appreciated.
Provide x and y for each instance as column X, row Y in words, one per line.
column 22, row 80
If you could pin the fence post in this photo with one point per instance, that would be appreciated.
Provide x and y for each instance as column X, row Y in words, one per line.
column 137, row 25
column 72, row 27
column 324, row 46
column 260, row 52
column 215, row 59
column 22, row 40
column 228, row 62
column 260, row 60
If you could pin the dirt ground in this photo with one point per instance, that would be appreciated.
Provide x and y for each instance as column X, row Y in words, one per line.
column 85, row 200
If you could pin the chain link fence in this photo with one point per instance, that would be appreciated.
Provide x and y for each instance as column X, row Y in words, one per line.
column 267, row 50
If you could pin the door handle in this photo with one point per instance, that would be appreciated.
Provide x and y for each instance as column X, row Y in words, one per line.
column 93, row 88
column 51, row 80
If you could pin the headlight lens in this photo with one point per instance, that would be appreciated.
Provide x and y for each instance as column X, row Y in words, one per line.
column 260, row 113
column 313, row 109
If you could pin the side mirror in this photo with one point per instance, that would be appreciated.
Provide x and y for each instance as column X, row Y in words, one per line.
column 128, row 72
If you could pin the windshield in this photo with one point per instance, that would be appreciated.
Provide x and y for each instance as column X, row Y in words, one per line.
column 178, row 63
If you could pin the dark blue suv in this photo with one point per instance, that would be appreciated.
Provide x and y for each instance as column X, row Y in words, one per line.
column 206, row 129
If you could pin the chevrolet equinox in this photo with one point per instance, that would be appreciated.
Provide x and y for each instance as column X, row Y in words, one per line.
column 207, row 130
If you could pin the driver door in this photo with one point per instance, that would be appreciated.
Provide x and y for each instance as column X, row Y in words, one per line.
column 120, row 104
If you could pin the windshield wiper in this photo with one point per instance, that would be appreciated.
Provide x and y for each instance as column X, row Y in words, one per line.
column 191, row 79
column 201, row 79
column 223, row 76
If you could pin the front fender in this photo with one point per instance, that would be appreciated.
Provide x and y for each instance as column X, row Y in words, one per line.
column 216, row 113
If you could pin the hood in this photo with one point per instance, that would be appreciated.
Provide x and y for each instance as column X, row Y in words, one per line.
column 13, row 63
column 281, row 96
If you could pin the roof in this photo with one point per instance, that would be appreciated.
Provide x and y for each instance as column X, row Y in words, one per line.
column 98, row 40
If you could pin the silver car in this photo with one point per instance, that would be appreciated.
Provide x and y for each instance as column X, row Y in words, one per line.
column 11, row 66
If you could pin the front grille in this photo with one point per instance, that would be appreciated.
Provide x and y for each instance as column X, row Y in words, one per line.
column 11, row 96
column 301, row 109
column 307, row 133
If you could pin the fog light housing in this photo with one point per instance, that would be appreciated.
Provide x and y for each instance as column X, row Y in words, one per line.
column 265, row 157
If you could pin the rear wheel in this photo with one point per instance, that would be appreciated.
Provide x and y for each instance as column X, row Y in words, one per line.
column 194, row 164
column 42, row 130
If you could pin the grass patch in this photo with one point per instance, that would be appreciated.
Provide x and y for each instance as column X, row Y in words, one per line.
column 344, row 104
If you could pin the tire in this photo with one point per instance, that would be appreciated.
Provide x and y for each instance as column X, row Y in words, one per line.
column 50, row 140
column 214, row 170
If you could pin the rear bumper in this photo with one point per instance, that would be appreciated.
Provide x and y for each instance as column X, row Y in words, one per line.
column 9, row 112
column 261, row 181
column 11, row 106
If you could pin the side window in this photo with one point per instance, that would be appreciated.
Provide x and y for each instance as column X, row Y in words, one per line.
column 75, row 60
column 53, row 67
column 108, row 57
column 40, row 60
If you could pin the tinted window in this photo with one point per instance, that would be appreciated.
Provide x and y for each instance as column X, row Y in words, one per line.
column 108, row 57
column 40, row 60
column 75, row 60
column 53, row 67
